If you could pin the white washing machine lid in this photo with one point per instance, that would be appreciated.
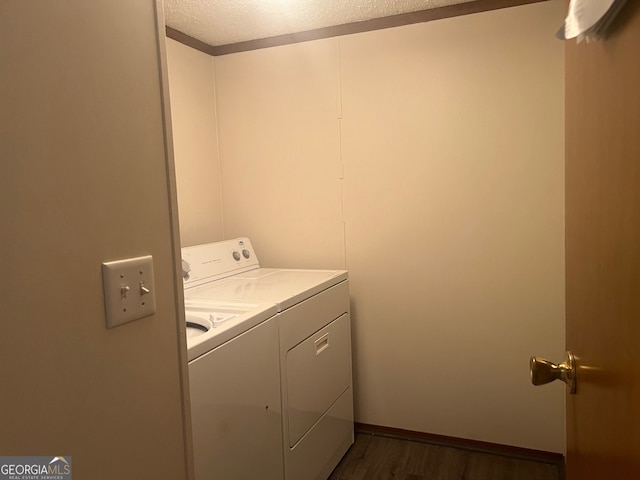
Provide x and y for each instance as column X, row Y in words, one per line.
column 223, row 320
column 283, row 287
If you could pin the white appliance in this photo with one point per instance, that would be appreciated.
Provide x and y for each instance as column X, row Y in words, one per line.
column 234, row 375
column 314, row 343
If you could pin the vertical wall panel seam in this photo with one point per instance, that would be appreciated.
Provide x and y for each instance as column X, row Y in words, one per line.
column 217, row 139
column 340, row 113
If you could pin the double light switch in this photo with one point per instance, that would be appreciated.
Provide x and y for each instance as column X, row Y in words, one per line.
column 129, row 289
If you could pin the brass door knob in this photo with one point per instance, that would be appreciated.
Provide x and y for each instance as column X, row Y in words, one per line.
column 543, row 371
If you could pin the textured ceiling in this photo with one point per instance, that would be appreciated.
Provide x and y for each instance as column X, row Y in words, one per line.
column 223, row 22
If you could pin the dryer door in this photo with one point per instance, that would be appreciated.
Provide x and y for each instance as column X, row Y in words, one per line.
column 318, row 371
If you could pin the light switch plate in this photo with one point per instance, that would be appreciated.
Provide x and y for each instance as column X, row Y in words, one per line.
column 129, row 290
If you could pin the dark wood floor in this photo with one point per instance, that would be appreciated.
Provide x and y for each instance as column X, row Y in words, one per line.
column 374, row 457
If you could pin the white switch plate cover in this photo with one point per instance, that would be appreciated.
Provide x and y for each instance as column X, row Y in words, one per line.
column 125, row 290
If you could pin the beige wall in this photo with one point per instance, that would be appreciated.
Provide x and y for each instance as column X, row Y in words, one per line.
column 280, row 152
column 428, row 160
column 195, row 139
column 452, row 140
column 84, row 180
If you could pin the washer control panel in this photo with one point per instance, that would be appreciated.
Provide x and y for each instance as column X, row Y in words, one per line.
column 245, row 253
column 212, row 261
column 243, row 245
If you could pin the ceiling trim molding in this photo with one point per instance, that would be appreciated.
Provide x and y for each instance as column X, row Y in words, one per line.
column 421, row 16
column 185, row 39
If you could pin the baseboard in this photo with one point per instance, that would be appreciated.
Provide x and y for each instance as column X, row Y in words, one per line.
column 474, row 445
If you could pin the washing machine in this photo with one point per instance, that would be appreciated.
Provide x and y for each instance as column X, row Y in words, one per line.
column 234, row 374
column 314, row 345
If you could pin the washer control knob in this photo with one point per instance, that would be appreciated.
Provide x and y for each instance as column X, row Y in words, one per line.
column 236, row 255
column 246, row 253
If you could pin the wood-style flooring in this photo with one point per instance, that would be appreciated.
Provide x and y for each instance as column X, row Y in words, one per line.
column 374, row 457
